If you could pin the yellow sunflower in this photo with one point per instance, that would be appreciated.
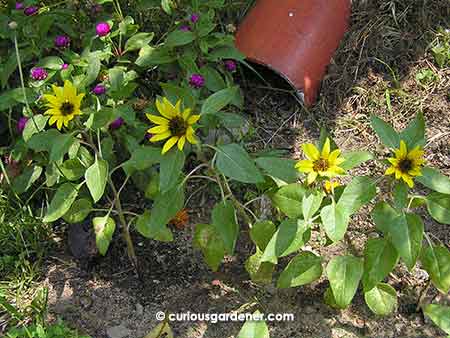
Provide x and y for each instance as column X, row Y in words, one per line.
column 330, row 185
column 64, row 105
column 174, row 125
column 406, row 165
column 323, row 164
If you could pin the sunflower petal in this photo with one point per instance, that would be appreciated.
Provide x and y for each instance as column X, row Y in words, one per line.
column 311, row 151
column 190, row 135
column 305, row 166
column 158, row 119
column 390, row 171
column 193, row 119
column 159, row 137
column 312, row 177
column 326, row 149
column 408, row 180
column 158, row 129
column 181, row 142
column 169, row 144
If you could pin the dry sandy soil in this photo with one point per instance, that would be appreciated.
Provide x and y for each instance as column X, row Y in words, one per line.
column 98, row 295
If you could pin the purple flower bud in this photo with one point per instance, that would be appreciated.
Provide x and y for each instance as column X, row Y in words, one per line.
column 185, row 28
column 197, row 81
column 99, row 89
column 117, row 123
column 62, row 41
column 64, row 66
column 21, row 124
column 194, row 17
column 19, row 5
column 102, row 29
column 148, row 136
column 230, row 65
column 31, row 10
column 39, row 73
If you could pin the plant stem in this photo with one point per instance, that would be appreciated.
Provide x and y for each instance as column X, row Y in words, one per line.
column 422, row 295
column 125, row 230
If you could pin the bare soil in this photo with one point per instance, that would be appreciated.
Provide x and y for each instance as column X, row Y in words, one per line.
column 102, row 293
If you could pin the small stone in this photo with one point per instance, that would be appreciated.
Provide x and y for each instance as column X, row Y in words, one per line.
column 119, row 331
column 139, row 309
column 309, row 309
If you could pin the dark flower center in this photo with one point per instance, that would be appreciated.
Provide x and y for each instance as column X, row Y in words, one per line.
column 405, row 165
column 178, row 126
column 321, row 165
column 66, row 108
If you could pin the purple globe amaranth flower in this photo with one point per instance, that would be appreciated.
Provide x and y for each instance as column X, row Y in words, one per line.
column 117, row 123
column 185, row 28
column 19, row 5
column 148, row 136
column 39, row 73
column 21, row 124
column 230, row 65
column 64, row 66
column 197, row 81
column 99, row 89
column 194, row 17
column 31, row 10
column 62, row 41
column 102, row 29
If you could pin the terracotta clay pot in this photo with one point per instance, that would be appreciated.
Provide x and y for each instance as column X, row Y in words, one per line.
column 296, row 38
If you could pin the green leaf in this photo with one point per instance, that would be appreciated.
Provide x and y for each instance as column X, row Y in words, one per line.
column 61, row 146
column 355, row 158
column 260, row 272
column 388, row 136
column 261, row 233
column 380, row 257
column 334, row 221
column 254, row 329
column 359, row 192
column 165, row 207
column 43, row 141
column 234, row 162
column 96, row 177
column 208, row 240
column 61, row 202
column 179, row 38
column 12, row 98
column 405, row 232
column 433, row 179
column 382, row 299
column 104, row 228
column 51, row 62
column 24, row 181
column 344, row 274
column 435, row 261
column 171, row 168
column 289, row 199
column 138, row 41
column 438, row 206
column 440, row 315
column 290, row 236
column 218, row 100
column 384, row 215
column 283, row 169
column 224, row 219
column 302, row 269
column 162, row 330
column 72, row 169
column 311, row 204
column 142, row 158
column 31, row 128
column 414, row 133
column 150, row 56
column 213, row 80
column 92, row 71
column 79, row 210
column 400, row 194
